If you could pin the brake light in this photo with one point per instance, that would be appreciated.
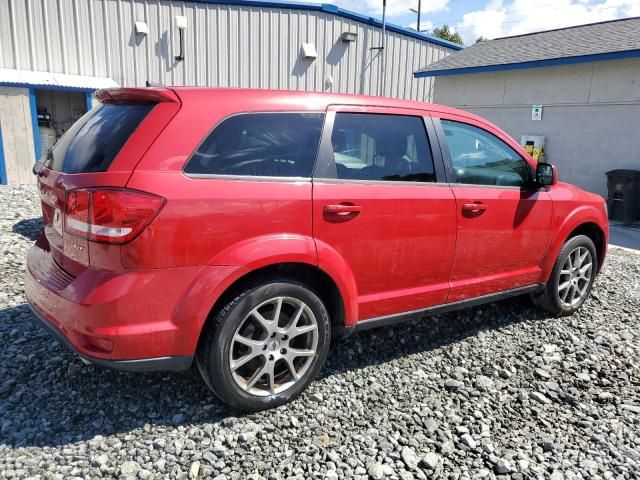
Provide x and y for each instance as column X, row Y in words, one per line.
column 110, row 215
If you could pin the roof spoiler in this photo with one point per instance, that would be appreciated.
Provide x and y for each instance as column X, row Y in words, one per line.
column 150, row 95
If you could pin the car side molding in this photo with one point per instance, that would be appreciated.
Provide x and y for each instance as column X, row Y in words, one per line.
column 444, row 308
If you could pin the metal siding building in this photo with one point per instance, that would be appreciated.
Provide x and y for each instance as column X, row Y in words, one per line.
column 76, row 46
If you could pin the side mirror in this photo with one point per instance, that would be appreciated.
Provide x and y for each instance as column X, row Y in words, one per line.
column 546, row 174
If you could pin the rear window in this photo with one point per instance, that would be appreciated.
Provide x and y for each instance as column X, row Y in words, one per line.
column 92, row 143
column 260, row 144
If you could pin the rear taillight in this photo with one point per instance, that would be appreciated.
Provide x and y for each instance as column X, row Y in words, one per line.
column 110, row 215
column 77, row 212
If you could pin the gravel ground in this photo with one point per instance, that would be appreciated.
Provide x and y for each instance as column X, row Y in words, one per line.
column 501, row 391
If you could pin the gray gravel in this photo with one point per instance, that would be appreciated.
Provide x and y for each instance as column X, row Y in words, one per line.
column 501, row 391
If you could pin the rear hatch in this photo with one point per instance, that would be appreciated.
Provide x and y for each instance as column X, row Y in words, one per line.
column 98, row 154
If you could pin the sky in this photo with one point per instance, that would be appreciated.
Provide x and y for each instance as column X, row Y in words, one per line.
column 494, row 18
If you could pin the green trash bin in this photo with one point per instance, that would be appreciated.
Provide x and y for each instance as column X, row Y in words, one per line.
column 623, row 200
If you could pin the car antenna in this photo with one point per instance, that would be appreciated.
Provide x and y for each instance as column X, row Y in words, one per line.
column 149, row 83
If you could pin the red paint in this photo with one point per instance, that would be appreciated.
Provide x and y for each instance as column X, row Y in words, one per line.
column 389, row 247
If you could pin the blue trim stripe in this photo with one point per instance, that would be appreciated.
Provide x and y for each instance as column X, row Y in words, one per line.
column 34, row 122
column 334, row 10
column 87, row 100
column 550, row 62
column 3, row 167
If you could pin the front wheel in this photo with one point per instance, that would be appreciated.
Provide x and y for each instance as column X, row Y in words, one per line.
column 571, row 279
column 265, row 346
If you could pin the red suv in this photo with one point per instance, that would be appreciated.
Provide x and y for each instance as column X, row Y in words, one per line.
column 245, row 229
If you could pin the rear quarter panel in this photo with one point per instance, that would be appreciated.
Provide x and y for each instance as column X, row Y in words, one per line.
column 216, row 220
column 209, row 221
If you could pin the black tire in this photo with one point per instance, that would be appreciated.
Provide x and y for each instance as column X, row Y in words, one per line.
column 213, row 356
column 549, row 299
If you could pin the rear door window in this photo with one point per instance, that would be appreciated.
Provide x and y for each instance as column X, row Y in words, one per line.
column 381, row 147
column 93, row 142
column 260, row 144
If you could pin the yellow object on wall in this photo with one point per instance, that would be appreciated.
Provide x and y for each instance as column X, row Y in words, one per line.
column 534, row 146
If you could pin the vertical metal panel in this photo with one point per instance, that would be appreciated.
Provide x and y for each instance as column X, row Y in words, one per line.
column 225, row 45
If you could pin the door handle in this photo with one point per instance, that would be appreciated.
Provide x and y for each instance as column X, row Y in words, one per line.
column 474, row 207
column 341, row 209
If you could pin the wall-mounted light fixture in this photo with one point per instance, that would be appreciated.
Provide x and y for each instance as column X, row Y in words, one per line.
column 349, row 36
column 309, row 51
column 181, row 25
column 142, row 29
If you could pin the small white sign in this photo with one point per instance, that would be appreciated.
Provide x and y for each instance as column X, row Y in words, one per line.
column 536, row 112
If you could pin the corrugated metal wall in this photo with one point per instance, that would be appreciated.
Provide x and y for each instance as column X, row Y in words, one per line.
column 225, row 45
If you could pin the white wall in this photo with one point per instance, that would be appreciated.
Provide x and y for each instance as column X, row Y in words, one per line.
column 590, row 117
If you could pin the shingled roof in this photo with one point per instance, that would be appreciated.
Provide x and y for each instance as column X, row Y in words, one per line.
column 583, row 43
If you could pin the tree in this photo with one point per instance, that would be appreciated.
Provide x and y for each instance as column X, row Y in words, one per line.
column 446, row 33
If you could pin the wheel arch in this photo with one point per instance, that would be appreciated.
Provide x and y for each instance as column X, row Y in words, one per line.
column 597, row 236
column 319, row 281
column 583, row 221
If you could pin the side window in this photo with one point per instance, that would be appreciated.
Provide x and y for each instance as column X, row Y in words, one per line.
column 480, row 158
column 381, row 147
column 260, row 144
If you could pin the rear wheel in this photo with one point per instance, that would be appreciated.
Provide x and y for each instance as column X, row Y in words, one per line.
column 265, row 346
column 572, row 277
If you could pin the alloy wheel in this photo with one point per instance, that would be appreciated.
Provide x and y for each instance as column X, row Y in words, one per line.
column 273, row 346
column 575, row 277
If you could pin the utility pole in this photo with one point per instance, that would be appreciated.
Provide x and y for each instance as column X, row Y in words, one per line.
column 384, row 32
column 381, row 47
column 418, row 12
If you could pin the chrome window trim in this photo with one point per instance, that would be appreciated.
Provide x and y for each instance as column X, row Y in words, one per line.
column 324, row 180
column 259, row 178
column 481, row 185
column 427, row 184
column 377, row 182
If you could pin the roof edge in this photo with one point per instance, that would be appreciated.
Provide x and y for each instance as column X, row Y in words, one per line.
column 566, row 28
column 335, row 10
column 548, row 62
column 52, row 81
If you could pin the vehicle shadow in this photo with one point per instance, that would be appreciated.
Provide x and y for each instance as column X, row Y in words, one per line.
column 29, row 228
column 49, row 398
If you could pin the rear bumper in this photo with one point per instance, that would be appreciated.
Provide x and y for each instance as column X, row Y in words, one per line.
column 132, row 320
column 175, row 364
